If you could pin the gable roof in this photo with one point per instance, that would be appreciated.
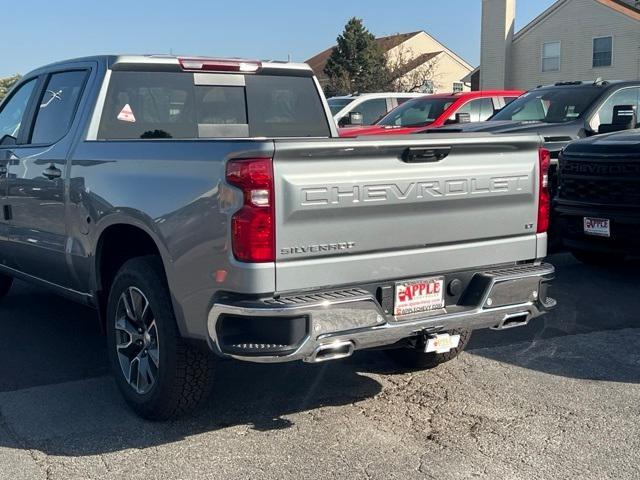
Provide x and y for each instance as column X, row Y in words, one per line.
column 317, row 62
column 416, row 62
column 622, row 7
column 392, row 41
column 618, row 5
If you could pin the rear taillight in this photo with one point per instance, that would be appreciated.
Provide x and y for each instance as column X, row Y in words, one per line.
column 253, row 226
column 544, row 197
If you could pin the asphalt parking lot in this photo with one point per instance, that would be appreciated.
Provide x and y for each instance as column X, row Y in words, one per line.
column 559, row 398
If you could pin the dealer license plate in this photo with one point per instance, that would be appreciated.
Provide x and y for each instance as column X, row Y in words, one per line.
column 600, row 227
column 417, row 296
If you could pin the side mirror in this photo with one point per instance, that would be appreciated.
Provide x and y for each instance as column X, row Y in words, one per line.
column 463, row 118
column 356, row 119
column 624, row 118
column 7, row 141
column 459, row 118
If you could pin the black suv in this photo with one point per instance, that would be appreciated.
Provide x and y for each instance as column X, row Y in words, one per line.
column 598, row 202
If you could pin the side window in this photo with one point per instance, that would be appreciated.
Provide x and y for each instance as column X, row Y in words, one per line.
column 479, row 109
column 58, row 106
column 14, row 110
column 487, row 108
column 626, row 96
column 401, row 100
column 372, row 110
column 149, row 105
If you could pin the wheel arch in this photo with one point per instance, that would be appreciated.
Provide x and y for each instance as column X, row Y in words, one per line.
column 118, row 239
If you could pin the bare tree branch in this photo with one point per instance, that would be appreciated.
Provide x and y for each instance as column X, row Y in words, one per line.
column 411, row 72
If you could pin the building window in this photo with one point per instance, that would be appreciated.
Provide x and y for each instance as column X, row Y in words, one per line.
column 428, row 87
column 458, row 87
column 551, row 57
column 602, row 52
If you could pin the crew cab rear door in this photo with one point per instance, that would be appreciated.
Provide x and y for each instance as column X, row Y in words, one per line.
column 359, row 210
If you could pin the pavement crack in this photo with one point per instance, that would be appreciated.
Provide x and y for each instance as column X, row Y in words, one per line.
column 41, row 463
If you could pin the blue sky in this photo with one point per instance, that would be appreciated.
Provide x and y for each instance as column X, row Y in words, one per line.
column 41, row 31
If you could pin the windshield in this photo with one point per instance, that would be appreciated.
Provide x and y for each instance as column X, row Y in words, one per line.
column 551, row 105
column 337, row 104
column 417, row 112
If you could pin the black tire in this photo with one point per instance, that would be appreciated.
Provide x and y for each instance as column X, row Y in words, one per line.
column 183, row 373
column 414, row 358
column 5, row 284
column 599, row 259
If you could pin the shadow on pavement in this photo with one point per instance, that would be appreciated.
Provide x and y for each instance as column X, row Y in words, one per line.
column 90, row 418
column 48, row 341
column 590, row 299
column 610, row 356
column 45, row 339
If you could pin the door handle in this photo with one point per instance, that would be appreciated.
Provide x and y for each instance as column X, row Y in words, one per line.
column 52, row 172
column 425, row 154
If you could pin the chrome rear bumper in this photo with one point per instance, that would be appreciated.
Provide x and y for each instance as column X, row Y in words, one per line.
column 343, row 321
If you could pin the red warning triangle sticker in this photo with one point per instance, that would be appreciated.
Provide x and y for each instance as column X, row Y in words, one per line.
column 126, row 114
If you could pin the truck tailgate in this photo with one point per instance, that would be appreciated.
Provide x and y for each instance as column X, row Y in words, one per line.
column 355, row 210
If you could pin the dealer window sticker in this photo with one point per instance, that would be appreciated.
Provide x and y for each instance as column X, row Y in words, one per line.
column 126, row 114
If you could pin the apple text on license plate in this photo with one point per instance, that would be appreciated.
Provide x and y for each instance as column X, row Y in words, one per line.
column 417, row 296
column 600, row 227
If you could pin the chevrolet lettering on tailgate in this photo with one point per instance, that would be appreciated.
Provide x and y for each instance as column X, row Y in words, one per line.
column 411, row 191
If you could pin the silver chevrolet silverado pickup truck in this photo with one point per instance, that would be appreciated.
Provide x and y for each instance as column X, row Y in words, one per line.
column 206, row 209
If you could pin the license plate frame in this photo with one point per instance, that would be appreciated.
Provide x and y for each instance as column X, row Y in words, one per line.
column 419, row 295
column 597, row 227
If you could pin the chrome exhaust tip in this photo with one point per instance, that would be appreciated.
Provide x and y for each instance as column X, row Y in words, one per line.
column 513, row 320
column 331, row 351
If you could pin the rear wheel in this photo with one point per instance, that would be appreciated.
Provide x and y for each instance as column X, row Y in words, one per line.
column 5, row 284
column 601, row 259
column 160, row 375
column 415, row 358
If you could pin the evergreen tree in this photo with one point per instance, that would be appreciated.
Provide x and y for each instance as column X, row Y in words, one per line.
column 357, row 63
column 6, row 84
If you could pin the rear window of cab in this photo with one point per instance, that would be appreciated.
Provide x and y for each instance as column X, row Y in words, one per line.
column 179, row 105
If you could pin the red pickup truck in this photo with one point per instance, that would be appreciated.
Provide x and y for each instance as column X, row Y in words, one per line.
column 435, row 111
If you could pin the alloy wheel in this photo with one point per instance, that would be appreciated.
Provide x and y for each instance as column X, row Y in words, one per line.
column 137, row 342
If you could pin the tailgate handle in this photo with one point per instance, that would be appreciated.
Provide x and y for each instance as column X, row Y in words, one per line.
column 424, row 155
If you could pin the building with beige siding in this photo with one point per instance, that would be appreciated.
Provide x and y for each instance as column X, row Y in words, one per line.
column 415, row 52
column 571, row 40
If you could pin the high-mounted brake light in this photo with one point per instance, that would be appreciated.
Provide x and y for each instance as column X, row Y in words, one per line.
column 253, row 226
column 544, row 196
column 219, row 65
